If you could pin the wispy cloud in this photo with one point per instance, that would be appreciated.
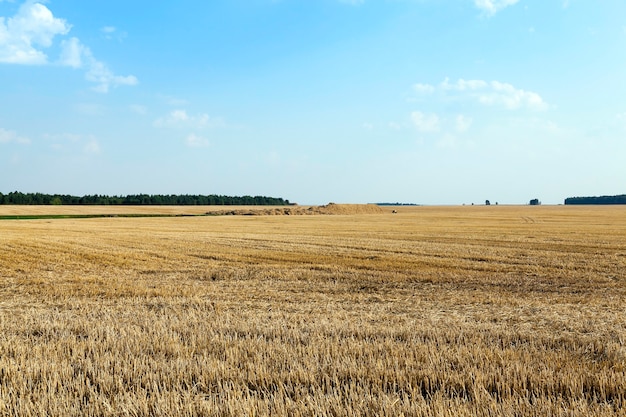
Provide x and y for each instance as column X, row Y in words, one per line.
column 72, row 142
column 196, row 141
column 113, row 33
column 424, row 88
column 25, row 36
column 436, row 123
column 425, row 122
column 464, row 85
column 100, row 74
column 72, row 53
column 463, row 123
column 181, row 119
column 493, row 93
column 76, row 55
column 512, row 98
column 491, row 7
column 92, row 147
column 8, row 136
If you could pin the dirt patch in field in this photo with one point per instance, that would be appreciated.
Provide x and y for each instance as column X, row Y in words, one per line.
column 332, row 208
column 328, row 209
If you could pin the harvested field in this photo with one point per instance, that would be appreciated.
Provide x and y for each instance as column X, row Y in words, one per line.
column 433, row 311
column 153, row 211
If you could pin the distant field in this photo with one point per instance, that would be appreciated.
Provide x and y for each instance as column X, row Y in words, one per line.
column 433, row 311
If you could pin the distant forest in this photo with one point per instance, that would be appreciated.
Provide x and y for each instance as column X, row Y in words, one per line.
column 605, row 199
column 139, row 200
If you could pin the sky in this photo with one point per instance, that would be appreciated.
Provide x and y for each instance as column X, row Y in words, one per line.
column 349, row 101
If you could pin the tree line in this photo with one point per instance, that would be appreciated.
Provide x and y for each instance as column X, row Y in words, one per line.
column 139, row 200
column 605, row 199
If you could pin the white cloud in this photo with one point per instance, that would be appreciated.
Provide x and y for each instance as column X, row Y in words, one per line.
column 493, row 93
column 76, row 55
column 8, row 136
column 34, row 27
column 464, row 85
column 111, row 32
column 425, row 122
column 181, row 119
column 424, row 88
column 72, row 52
column 195, row 141
column 23, row 35
column 434, row 123
column 180, row 116
column 491, row 7
column 463, row 123
column 512, row 98
column 100, row 74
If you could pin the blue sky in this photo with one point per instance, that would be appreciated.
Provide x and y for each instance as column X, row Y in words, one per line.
column 355, row 101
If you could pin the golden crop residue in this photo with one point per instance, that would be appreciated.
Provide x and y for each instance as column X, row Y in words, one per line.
column 464, row 311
